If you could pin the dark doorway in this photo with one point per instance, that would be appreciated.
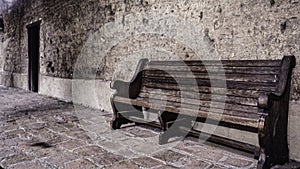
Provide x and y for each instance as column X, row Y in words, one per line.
column 33, row 56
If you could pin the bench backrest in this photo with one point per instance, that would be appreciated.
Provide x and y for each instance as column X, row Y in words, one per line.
column 202, row 86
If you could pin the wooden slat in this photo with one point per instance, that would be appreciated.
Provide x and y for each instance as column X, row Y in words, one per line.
column 217, row 70
column 215, row 83
column 206, row 105
column 145, row 92
column 240, row 63
column 204, row 89
column 230, row 77
column 250, row 122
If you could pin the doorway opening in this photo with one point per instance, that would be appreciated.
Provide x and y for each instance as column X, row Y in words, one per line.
column 33, row 31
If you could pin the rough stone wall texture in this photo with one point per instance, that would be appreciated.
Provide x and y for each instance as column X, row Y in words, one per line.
column 235, row 29
column 105, row 39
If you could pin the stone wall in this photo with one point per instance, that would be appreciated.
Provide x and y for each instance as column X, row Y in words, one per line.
column 103, row 40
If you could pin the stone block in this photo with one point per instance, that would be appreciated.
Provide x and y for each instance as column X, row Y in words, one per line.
column 107, row 159
column 238, row 162
column 29, row 164
column 15, row 158
column 58, row 160
column 80, row 163
column 91, row 150
column 171, row 157
column 146, row 162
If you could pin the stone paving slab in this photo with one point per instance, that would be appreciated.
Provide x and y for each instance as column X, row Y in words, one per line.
column 42, row 132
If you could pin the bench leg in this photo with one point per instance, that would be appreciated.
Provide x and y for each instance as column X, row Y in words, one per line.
column 115, row 124
column 122, row 114
column 163, row 138
column 165, row 119
column 261, row 160
column 171, row 126
column 124, row 117
column 273, row 139
column 261, row 139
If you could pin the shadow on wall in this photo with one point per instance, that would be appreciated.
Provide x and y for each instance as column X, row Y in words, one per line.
column 294, row 130
column 6, row 78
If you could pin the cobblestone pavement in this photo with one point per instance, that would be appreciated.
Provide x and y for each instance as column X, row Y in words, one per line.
column 40, row 132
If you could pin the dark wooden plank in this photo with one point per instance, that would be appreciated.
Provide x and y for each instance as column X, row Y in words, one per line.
column 218, row 70
column 230, row 77
column 217, row 107
column 212, row 83
column 242, row 92
column 244, row 121
column 160, row 105
column 240, row 63
column 148, row 92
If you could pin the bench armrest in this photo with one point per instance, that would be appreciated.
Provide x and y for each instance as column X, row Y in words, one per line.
column 264, row 100
column 121, row 87
column 132, row 88
column 287, row 64
column 118, row 84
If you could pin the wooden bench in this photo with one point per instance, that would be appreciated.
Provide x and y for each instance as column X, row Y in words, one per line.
column 250, row 95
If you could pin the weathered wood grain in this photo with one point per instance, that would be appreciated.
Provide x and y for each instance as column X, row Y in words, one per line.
column 207, row 90
column 205, row 76
column 217, row 69
column 198, row 83
column 246, row 121
column 234, row 63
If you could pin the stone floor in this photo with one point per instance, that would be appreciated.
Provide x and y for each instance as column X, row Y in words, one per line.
column 41, row 132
